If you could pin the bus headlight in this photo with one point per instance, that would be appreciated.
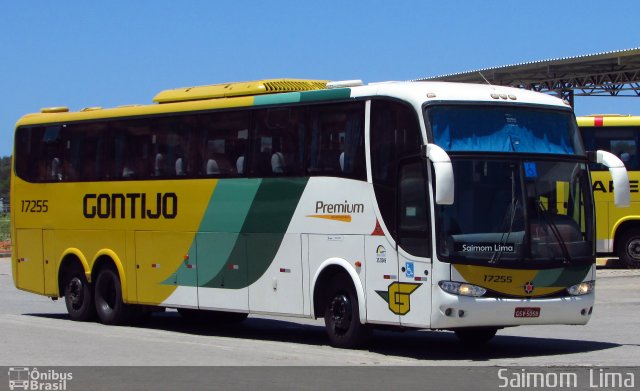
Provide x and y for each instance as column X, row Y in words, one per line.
column 583, row 288
column 462, row 288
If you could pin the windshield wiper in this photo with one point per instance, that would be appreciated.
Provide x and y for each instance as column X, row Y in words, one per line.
column 555, row 231
column 495, row 258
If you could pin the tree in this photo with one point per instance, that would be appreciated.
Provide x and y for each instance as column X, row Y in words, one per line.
column 5, row 177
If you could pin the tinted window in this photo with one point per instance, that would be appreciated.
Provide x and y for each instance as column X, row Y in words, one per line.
column 413, row 209
column 395, row 134
column 621, row 141
column 278, row 142
column 221, row 144
column 504, row 129
column 283, row 141
column 336, row 141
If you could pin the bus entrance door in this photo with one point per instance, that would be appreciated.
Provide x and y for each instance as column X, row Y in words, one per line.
column 413, row 294
column 382, row 280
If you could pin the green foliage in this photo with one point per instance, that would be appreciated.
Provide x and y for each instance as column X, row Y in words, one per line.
column 5, row 176
column 4, row 228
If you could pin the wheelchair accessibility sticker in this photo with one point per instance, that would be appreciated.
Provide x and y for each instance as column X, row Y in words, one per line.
column 409, row 269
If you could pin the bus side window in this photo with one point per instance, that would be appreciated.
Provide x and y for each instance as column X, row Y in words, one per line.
column 621, row 141
column 395, row 134
column 29, row 164
column 336, row 141
column 53, row 152
column 278, row 142
column 413, row 209
column 224, row 141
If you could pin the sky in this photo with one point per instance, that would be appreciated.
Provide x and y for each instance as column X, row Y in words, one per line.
column 83, row 54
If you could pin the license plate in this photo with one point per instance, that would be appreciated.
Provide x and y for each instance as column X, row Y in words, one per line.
column 527, row 312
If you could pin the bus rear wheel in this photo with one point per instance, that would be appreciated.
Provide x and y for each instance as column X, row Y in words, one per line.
column 629, row 248
column 110, row 308
column 342, row 316
column 78, row 295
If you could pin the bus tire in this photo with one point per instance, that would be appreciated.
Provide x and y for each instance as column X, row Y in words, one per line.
column 342, row 316
column 110, row 308
column 629, row 248
column 78, row 295
column 476, row 336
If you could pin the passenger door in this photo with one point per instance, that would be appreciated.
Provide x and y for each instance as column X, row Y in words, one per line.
column 413, row 292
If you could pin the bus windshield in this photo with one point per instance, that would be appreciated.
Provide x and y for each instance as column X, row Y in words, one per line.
column 517, row 210
column 504, row 129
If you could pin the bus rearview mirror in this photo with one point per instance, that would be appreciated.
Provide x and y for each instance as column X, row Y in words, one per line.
column 619, row 176
column 444, row 174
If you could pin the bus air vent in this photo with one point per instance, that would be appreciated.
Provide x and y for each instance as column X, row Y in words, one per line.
column 230, row 90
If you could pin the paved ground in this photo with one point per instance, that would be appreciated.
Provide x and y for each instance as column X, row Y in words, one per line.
column 35, row 331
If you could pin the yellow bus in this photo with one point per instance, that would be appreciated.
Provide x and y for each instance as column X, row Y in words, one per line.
column 617, row 230
column 416, row 205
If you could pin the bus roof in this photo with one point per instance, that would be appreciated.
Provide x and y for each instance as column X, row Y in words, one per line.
column 291, row 91
column 229, row 90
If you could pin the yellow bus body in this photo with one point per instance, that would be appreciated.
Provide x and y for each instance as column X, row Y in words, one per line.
column 602, row 132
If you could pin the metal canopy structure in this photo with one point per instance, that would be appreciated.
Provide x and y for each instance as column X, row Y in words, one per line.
column 615, row 73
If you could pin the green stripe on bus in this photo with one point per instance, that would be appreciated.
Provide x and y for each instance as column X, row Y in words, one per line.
column 219, row 230
column 562, row 277
column 263, row 231
column 275, row 99
column 306, row 96
column 337, row 94
column 229, row 205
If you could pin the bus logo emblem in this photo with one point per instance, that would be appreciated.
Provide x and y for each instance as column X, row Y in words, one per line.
column 528, row 288
column 398, row 296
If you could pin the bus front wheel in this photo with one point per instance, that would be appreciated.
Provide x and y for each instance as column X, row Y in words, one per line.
column 629, row 248
column 108, row 297
column 78, row 295
column 342, row 316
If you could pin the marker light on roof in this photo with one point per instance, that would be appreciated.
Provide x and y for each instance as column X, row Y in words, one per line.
column 59, row 109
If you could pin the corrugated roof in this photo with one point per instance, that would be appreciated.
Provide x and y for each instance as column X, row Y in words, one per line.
column 614, row 57
column 613, row 73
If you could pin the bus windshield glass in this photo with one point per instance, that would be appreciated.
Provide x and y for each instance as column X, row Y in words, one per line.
column 517, row 211
column 504, row 129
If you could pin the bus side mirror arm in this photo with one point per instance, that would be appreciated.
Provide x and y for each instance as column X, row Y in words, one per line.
column 443, row 171
column 619, row 176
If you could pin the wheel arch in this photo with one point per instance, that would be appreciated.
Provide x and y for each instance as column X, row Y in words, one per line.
column 623, row 225
column 106, row 258
column 70, row 257
column 325, row 272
